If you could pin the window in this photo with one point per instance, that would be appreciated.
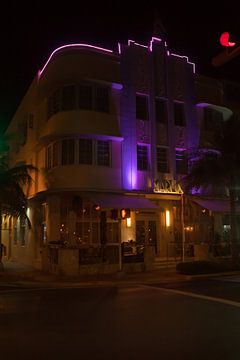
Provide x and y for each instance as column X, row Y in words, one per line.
column 85, row 97
column 49, row 157
column 83, row 232
column 68, row 152
column 140, row 231
column 55, row 154
column 162, row 160
column 85, row 151
column 95, row 232
column 142, row 157
column 93, row 97
column 141, row 107
column 52, row 155
column 22, row 132
column 23, row 223
column 179, row 114
column 181, row 161
column 101, row 99
column 87, row 232
column 161, row 111
column 103, row 153
column 91, row 152
column 15, row 231
column 112, row 232
column 54, row 103
column 69, row 98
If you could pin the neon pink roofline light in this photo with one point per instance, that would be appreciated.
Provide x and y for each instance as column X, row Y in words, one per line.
column 69, row 46
column 155, row 39
column 185, row 57
column 150, row 47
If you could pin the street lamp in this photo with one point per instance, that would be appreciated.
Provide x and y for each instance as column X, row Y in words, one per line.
column 183, row 227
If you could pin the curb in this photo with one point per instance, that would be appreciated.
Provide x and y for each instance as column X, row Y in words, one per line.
column 204, row 276
column 117, row 281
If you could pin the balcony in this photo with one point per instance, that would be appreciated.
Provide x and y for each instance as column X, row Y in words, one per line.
column 80, row 122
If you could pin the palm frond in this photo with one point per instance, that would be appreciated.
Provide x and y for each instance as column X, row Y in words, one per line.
column 13, row 200
column 206, row 169
column 220, row 165
column 20, row 174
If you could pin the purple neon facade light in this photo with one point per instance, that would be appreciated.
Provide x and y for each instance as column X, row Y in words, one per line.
column 129, row 169
column 185, row 57
column 131, row 179
column 119, row 48
column 150, row 47
column 226, row 112
column 69, row 46
column 180, row 149
column 116, row 86
column 196, row 191
column 153, row 40
column 135, row 43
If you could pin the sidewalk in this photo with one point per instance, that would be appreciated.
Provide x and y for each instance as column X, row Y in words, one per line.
column 26, row 275
column 19, row 273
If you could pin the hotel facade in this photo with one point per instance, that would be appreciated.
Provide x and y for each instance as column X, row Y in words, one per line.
column 110, row 132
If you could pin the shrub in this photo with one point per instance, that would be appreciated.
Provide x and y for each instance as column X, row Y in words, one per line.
column 207, row 267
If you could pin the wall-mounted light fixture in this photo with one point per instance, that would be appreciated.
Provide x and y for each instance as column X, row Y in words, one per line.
column 167, row 218
column 129, row 222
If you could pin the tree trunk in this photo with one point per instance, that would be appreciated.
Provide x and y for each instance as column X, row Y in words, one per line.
column 233, row 223
column 0, row 232
column 1, row 247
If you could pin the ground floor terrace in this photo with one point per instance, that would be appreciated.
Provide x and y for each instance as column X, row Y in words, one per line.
column 89, row 232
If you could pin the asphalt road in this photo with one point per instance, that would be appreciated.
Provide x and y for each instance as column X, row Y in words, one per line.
column 188, row 320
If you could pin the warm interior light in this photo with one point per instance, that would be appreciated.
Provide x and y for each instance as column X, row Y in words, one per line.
column 167, row 215
column 96, row 207
column 129, row 222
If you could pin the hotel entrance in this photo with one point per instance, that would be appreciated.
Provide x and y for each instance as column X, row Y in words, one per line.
column 146, row 231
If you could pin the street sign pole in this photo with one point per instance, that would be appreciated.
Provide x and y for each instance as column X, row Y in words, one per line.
column 225, row 56
column 183, row 227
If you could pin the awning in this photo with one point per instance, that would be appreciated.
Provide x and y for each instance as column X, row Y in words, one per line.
column 215, row 205
column 226, row 112
column 120, row 201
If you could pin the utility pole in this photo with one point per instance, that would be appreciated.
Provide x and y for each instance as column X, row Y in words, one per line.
column 183, row 227
column 231, row 51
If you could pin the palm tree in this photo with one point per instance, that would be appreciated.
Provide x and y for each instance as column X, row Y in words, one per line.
column 13, row 200
column 218, row 166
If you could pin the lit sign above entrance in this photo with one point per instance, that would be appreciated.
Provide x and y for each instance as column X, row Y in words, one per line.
column 167, row 186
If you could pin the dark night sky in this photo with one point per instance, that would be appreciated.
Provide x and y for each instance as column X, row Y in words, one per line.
column 29, row 34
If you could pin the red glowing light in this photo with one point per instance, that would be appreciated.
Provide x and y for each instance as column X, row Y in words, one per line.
column 224, row 40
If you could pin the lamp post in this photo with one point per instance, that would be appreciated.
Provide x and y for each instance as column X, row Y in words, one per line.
column 183, row 227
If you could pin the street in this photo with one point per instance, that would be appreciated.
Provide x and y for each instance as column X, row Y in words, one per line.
column 186, row 320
